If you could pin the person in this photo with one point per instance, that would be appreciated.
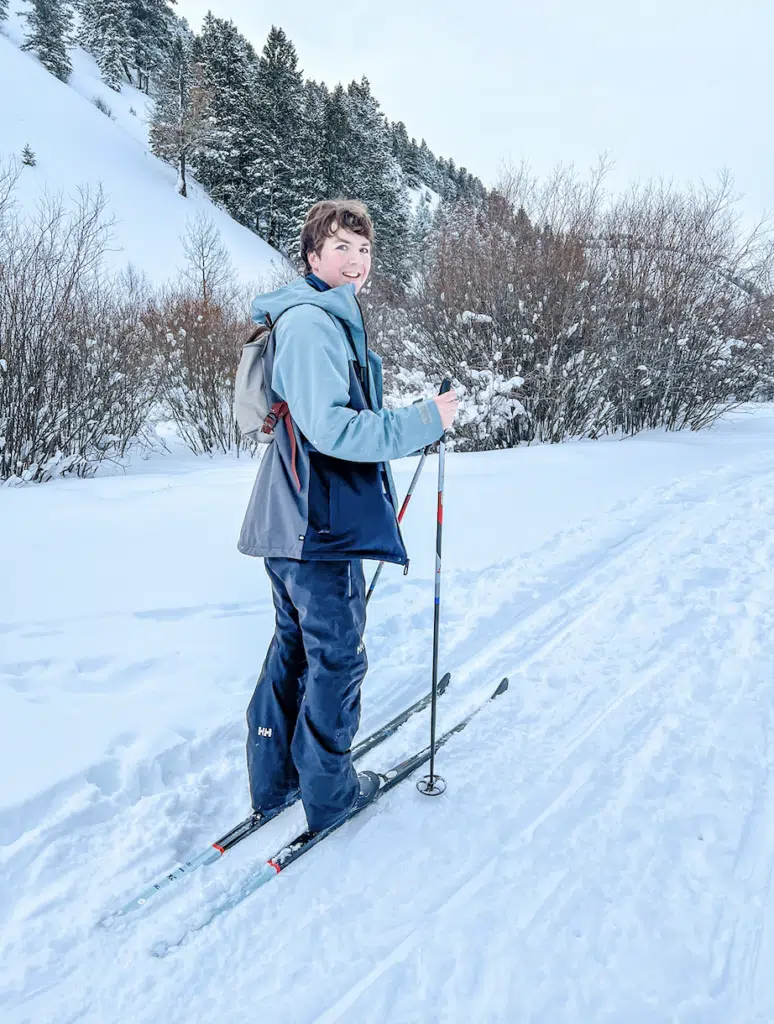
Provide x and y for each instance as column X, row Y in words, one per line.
column 323, row 500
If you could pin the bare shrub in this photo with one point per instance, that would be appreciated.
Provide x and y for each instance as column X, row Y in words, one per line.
column 561, row 313
column 208, row 268
column 197, row 328
column 102, row 107
column 197, row 346
column 10, row 170
column 74, row 375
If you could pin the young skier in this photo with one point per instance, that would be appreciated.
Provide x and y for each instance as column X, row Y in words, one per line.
column 323, row 500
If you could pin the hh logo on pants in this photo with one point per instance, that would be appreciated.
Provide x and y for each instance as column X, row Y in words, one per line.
column 263, row 731
column 360, row 648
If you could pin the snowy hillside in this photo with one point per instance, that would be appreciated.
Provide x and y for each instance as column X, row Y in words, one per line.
column 77, row 145
column 603, row 854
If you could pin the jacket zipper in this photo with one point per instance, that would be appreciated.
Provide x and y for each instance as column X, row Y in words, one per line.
column 367, row 367
column 369, row 403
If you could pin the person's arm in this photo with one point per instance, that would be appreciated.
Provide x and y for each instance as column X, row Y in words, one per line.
column 311, row 373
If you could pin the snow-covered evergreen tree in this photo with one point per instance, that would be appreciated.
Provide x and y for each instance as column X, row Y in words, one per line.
column 447, row 172
column 152, row 30
column 105, row 33
column 376, row 178
column 282, row 191
column 316, row 100
column 428, row 169
column 406, row 152
column 180, row 118
column 224, row 161
column 49, row 26
column 3, row 10
column 336, row 152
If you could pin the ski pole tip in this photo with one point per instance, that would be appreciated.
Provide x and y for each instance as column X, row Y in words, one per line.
column 432, row 785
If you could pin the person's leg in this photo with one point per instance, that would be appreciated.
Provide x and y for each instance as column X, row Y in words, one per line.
column 273, row 710
column 330, row 600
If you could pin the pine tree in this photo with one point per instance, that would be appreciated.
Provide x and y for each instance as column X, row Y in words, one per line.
column 180, row 119
column 3, row 10
column 151, row 25
column 281, row 182
column 28, row 157
column 420, row 226
column 428, row 167
column 312, row 147
column 406, row 152
column 49, row 22
column 335, row 145
column 105, row 33
column 377, row 180
column 223, row 162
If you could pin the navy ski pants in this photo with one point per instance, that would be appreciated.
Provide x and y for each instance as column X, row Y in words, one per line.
column 305, row 711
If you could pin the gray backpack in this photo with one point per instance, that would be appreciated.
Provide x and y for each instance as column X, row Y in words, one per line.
column 254, row 413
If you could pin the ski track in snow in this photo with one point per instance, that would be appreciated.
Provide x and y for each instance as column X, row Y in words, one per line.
column 609, row 860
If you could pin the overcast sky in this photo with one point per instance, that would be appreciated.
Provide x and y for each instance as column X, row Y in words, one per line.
column 669, row 88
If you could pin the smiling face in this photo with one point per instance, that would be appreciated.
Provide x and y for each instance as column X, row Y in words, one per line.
column 344, row 257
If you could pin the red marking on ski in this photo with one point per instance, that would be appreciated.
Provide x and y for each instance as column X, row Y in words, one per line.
column 440, row 507
column 276, row 867
column 219, row 848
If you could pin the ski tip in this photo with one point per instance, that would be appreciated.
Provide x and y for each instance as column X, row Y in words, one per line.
column 502, row 687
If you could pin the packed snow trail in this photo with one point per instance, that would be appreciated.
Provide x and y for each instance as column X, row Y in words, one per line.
column 605, row 850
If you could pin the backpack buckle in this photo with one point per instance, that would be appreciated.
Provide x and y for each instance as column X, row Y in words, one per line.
column 276, row 413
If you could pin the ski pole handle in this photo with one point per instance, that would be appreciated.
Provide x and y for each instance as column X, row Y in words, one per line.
column 446, row 385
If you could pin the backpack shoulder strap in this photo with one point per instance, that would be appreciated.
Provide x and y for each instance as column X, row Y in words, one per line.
column 270, row 324
column 265, row 328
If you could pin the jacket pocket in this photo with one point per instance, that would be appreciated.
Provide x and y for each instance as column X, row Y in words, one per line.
column 319, row 495
column 359, row 508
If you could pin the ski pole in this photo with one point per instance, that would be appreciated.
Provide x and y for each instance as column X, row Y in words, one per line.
column 432, row 784
column 402, row 512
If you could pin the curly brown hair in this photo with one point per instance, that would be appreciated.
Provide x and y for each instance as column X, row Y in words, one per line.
column 324, row 219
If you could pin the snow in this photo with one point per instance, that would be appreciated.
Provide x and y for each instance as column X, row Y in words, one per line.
column 76, row 145
column 468, row 317
column 604, row 849
column 423, row 194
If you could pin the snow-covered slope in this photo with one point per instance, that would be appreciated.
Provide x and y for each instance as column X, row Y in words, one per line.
column 604, row 853
column 77, row 145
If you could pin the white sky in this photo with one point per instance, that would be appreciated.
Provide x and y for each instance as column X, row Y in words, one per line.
column 678, row 89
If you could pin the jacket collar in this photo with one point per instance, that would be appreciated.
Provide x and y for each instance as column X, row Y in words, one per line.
column 317, row 282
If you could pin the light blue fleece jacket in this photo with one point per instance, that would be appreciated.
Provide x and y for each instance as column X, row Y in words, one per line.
column 309, row 366
column 311, row 373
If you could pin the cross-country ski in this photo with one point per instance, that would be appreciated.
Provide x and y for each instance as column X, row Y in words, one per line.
column 305, row 842
column 255, row 821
